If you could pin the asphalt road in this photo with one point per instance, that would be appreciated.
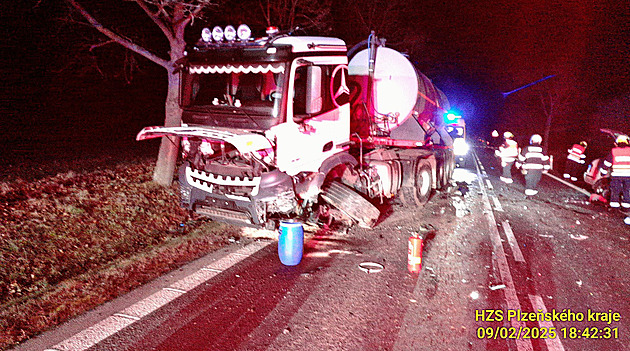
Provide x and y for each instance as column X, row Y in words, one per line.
column 491, row 257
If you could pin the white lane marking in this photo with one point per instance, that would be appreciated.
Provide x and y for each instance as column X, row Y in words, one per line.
column 499, row 261
column 119, row 320
column 151, row 303
column 497, row 204
column 554, row 344
column 489, row 184
column 569, row 184
column 192, row 281
column 127, row 316
column 95, row 334
column 516, row 251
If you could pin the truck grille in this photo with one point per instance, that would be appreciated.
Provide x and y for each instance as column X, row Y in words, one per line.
column 232, row 186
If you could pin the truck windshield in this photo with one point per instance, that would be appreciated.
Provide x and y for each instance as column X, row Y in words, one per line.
column 254, row 89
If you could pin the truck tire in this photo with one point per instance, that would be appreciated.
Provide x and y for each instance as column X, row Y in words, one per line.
column 351, row 203
column 444, row 172
column 417, row 193
column 440, row 173
column 450, row 167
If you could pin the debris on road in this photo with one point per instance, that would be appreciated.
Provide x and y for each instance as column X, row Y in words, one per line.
column 462, row 188
column 460, row 207
column 578, row 237
column 371, row 267
column 576, row 202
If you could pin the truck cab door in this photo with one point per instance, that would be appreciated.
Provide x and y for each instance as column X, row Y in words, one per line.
column 316, row 128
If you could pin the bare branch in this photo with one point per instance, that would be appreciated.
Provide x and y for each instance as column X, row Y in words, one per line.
column 117, row 38
column 96, row 46
column 156, row 18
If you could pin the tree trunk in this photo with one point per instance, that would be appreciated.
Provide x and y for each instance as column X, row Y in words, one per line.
column 167, row 157
column 547, row 134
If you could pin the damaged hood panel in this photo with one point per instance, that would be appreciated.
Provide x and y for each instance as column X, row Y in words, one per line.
column 244, row 142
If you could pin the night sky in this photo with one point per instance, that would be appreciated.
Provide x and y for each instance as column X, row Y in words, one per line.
column 473, row 50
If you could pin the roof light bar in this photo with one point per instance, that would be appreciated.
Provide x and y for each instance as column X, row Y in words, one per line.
column 206, row 35
column 229, row 33
column 217, row 33
column 244, row 32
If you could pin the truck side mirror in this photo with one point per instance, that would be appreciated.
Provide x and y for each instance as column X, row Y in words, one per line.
column 314, row 99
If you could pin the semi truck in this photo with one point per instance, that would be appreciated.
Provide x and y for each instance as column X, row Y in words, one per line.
column 284, row 127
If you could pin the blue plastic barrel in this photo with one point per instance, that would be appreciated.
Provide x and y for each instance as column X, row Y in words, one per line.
column 290, row 243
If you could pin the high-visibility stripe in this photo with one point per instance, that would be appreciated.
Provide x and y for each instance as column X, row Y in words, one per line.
column 576, row 159
column 532, row 166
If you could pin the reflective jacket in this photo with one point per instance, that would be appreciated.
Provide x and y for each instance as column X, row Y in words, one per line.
column 508, row 151
column 576, row 153
column 618, row 161
column 532, row 157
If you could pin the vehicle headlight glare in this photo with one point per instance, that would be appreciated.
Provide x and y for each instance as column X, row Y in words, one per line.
column 460, row 147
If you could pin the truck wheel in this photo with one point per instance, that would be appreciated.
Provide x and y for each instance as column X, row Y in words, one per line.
column 446, row 172
column 418, row 194
column 440, row 173
column 451, row 168
column 351, row 203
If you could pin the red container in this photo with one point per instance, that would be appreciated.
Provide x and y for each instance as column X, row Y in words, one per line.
column 414, row 257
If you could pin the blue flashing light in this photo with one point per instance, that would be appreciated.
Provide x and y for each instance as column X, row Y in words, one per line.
column 451, row 117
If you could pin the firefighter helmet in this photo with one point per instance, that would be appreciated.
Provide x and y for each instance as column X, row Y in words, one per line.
column 508, row 135
column 584, row 144
column 622, row 139
column 535, row 139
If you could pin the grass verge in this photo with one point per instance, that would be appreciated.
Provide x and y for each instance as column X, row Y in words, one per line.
column 81, row 234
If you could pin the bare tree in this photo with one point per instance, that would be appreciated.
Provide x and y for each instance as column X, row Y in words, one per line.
column 288, row 14
column 171, row 17
column 553, row 102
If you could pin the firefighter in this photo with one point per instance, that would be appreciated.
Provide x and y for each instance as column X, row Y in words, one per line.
column 533, row 163
column 508, row 152
column 575, row 161
column 618, row 165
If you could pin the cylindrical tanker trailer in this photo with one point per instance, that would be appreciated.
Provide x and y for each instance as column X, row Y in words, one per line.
column 401, row 97
column 397, row 118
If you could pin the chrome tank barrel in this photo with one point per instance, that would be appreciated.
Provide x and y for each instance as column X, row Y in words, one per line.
column 399, row 90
